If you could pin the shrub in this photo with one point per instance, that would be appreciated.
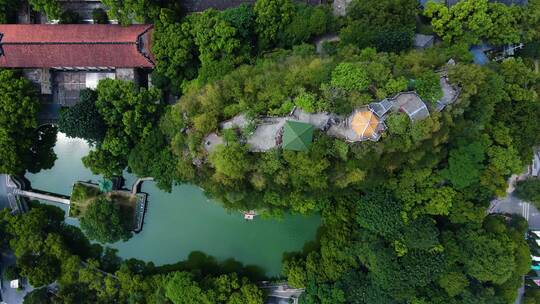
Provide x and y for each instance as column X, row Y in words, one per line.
column 349, row 76
column 100, row 16
column 529, row 190
column 306, row 102
column 428, row 87
column 70, row 17
column 11, row 273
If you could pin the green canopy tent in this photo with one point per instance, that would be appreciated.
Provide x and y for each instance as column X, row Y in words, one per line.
column 105, row 185
column 297, row 136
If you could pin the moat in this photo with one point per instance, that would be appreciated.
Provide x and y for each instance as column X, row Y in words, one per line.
column 184, row 220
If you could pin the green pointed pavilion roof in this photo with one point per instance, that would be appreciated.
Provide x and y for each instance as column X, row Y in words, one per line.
column 105, row 185
column 297, row 136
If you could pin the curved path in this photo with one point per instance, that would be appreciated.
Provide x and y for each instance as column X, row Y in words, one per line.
column 136, row 185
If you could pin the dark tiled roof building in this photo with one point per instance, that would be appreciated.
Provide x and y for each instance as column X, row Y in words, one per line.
column 82, row 46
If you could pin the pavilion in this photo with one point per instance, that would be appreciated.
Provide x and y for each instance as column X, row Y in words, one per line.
column 297, row 136
column 366, row 125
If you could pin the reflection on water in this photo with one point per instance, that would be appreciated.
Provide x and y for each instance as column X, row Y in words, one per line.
column 185, row 220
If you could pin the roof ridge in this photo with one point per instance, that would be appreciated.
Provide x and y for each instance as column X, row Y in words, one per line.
column 148, row 28
column 66, row 42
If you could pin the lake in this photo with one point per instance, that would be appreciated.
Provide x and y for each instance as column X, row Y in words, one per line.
column 184, row 220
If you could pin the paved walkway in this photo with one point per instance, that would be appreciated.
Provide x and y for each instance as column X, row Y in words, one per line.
column 282, row 293
column 513, row 205
column 324, row 38
column 267, row 131
column 12, row 295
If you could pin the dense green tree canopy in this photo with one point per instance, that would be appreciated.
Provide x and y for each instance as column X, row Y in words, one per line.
column 387, row 25
column 104, row 222
column 271, row 19
column 37, row 296
column 129, row 114
column 529, row 190
column 465, row 164
column 83, row 119
column 51, row 8
column 128, row 11
column 7, row 10
column 429, row 87
column 472, row 21
column 18, row 121
column 403, row 218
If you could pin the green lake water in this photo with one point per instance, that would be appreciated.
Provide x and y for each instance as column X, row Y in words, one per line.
column 184, row 220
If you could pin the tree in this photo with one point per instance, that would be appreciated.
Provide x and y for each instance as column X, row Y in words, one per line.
column 104, row 222
column 40, row 270
column 379, row 212
column 294, row 270
column 126, row 11
column 12, row 273
column 386, row 25
column 307, row 21
column 8, row 9
column 130, row 114
column 349, row 76
column 217, row 43
column 359, row 289
column 428, row 86
column 175, row 52
column 100, row 16
column 487, row 257
column 214, row 37
column 181, row 289
column 37, row 296
column 453, row 283
column 506, row 24
column 83, row 119
column 271, row 18
column 52, row 8
column 228, row 288
column 464, row 165
column 529, row 190
column 18, row 121
column 242, row 18
column 230, row 161
column 69, row 17
column 152, row 157
column 468, row 20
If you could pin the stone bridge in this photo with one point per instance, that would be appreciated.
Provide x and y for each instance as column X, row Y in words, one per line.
column 42, row 195
column 137, row 184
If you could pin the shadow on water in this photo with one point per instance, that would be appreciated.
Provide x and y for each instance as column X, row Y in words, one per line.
column 202, row 264
column 42, row 153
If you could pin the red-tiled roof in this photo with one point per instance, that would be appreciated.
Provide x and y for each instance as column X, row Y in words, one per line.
column 75, row 45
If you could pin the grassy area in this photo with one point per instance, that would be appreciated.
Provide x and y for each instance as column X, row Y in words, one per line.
column 81, row 197
column 423, row 26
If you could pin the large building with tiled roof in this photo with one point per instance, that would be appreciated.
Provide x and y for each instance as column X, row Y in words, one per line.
column 64, row 59
column 75, row 46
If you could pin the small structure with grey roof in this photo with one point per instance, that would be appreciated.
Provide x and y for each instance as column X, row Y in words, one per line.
column 422, row 41
column 381, row 108
column 366, row 123
column 411, row 104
